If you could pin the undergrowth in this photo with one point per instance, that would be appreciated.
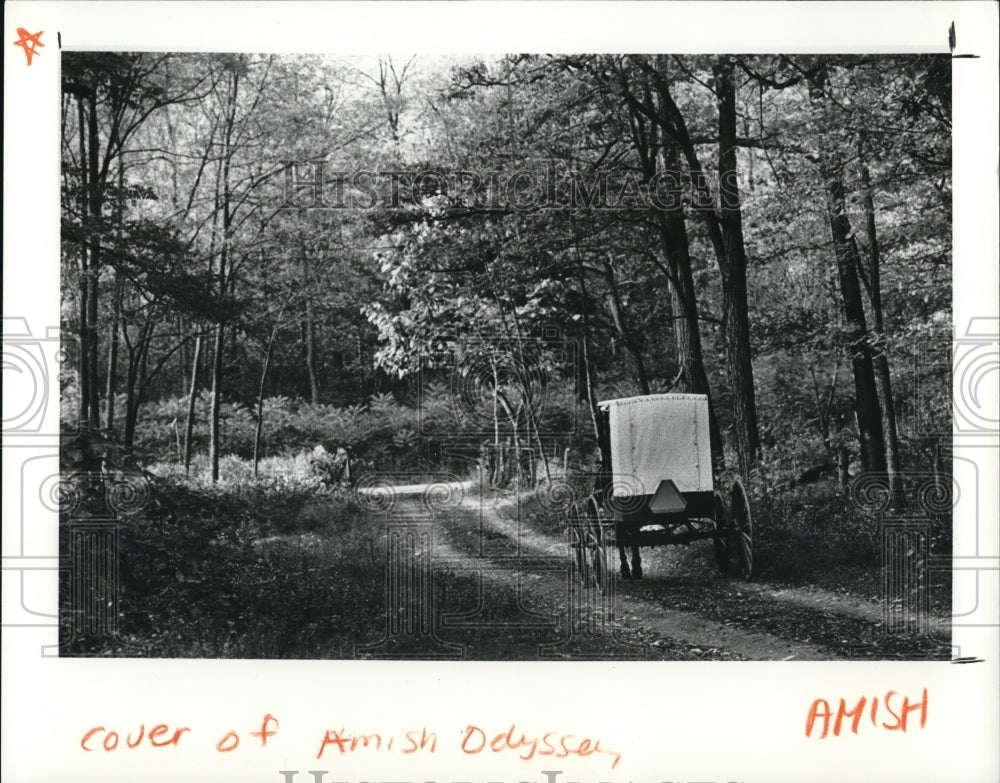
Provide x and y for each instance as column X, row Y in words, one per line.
column 807, row 535
column 816, row 535
column 254, row 571
column 277, row 567
column 282, row 566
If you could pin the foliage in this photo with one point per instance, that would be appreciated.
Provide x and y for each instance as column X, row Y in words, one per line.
column 386, row 328
column 382, row 434
column 198, row 584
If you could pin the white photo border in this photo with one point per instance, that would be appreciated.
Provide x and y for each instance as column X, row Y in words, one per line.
column 669, row 721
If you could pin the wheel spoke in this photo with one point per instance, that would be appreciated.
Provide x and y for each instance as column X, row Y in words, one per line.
column 721, row 543
column 580, row 558
column 600, row 564
column 743, row 524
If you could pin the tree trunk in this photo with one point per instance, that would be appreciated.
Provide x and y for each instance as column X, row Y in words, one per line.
column 531, row 421
column 733, row 267
column 83, row 410
column 869, row 415
column 260, row 397
column 82, row 360
column 143, row 377
column 515, row 438
column 676, row 139
column 134, row 384
column 880, row 358
column 497, row 474
column 866, row 404
column 183, row 358
column 627, row 336
column 189, row 423
column 94, row 202
column 131, row 418
column 131, row 380
column 128, row 438
column 883, row 384
column 687, row 332
column 671, row 226
column 112, row 380
column 843, row 461
column 653, row 134
column 214, row 443
column 309, row 328
column 309, row 339
column 601, row 433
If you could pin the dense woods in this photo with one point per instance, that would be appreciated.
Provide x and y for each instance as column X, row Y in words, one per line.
column 288, row 280
column 262, row 254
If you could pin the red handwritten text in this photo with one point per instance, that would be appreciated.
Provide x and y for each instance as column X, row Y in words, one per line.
column 551, row 743
column 231, row 740
column 109, row 740
column 417, row 739
column 820, row 711
column 341, row 741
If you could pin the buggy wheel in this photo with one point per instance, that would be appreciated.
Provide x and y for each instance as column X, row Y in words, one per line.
column 599, row 562
column 743, row 528
column 594, row 516
column 721, row 540
column 580, row 561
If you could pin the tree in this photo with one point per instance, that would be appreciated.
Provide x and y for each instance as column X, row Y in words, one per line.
column 116, row 94
column 867, row 408
column 659, row 133
column 733, row 267
column 709, row 224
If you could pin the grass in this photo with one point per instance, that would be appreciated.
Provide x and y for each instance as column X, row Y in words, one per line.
column 816, row 536
column 255, row 573
column 282, row 567
column 274, row 567
column 806, row 535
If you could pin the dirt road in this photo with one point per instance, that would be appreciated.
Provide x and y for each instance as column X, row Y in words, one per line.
column 531, row 604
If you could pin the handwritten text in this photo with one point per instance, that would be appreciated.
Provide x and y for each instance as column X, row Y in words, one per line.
column 820, row 712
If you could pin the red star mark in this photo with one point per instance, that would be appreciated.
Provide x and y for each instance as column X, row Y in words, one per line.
column 29, row 42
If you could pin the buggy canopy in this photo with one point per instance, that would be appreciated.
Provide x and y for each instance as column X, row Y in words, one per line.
column 657, row 437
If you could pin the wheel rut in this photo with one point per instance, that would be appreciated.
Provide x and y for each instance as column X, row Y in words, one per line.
column 480, row 535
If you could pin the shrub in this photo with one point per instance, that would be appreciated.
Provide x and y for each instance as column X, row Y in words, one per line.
column 383, row 435
column 202, row 575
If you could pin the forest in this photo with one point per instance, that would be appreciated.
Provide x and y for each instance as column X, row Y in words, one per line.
column 284, row 275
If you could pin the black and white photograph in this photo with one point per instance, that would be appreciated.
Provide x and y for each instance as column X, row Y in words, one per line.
column 501, row 392
column 506, row 357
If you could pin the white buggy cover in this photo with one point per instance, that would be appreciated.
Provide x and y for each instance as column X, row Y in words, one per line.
column 656, row 437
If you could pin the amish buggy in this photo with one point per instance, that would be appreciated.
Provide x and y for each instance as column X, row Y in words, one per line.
column 660, row 490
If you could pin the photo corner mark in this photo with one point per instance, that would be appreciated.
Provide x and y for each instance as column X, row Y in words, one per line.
column 951, row 46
